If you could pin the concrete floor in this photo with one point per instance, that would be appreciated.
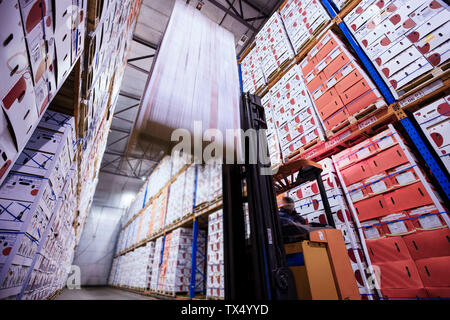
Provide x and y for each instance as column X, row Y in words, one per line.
column 99, row 293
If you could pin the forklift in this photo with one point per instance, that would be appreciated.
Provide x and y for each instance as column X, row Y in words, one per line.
column 267, row 265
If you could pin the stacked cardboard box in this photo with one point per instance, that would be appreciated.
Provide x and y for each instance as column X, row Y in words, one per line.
column 337, row 84
column 273, row 46
column 55, row 256
column 34, row 198
column 159, row 177
column 302, row 19
column 176, row 198
column 132, row 269
column 252, row 74
column 156, row 263
column 273, row 142
column 293, row 114
column 308, row 203
column 391, row 202
column 405, row 39
column 215, row 284
column 175, row 270
column 433, row 119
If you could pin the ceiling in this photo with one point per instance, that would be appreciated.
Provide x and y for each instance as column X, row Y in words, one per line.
column 123, row 172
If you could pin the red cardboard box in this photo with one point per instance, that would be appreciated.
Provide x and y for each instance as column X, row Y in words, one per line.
column 438, row 292
column 333, row 104
column 387, row 159
column 434, row 272
column 335, row 63
column 401, row 274
column 428, row 244
column 408, row 197
column 387, row 250
column 371, row 208
column 356, row 172
column 337, row 118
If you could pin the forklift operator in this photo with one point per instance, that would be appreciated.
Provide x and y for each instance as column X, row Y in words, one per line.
column 287, row 211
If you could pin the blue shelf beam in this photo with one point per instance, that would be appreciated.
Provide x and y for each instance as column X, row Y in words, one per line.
column 427, row 156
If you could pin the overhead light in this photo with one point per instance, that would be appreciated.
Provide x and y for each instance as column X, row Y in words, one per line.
column 200, row 4
column 143, row 178
column 127, row 198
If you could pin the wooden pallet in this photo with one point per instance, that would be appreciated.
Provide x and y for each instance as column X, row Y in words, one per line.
column 305, row 148
column 201, row 206
column 349, row 6
column 440, row 72
column 279, row 70
column 354, row 118
column 374, row 123
column 216, row 200
column 214, row 298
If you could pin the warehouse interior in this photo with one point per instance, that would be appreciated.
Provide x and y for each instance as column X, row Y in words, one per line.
column 348, row 201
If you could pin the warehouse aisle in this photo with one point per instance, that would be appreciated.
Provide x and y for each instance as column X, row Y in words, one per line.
column 100, row 293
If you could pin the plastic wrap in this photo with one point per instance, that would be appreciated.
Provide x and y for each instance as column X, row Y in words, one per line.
column 194, row 78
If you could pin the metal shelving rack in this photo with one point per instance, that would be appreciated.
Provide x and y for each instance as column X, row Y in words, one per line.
column 381, row 85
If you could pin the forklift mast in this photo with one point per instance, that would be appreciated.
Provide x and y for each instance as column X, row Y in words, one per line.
column 255, row 268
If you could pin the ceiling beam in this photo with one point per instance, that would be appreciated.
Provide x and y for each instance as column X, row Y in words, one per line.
column 120, row 174
column 141, row 58
column 126, row 120
column 120, row 130
column 137, row 68
column 126, row 109
column 118, row 154
column 232, row 14
column 129, row 95
column 144, row 42
column 254, row 6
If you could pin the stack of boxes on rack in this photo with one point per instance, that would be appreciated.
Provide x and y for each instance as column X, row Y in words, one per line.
column 180, row 186
column 293, row 114
column 175, row 270
column 399, row 214
column 170, row 204
column 34, row 200
column 308, row 203
column 252, row 74
column 215, row 284
column 435, row 124
column 391, row 214
column 338, row 86
column 107, row 50
column 406, row 39
column 35, row 64
column 273, row 46
column 133, row 269
column 302, row 20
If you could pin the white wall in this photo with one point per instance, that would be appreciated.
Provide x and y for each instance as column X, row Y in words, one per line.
column 97, row 244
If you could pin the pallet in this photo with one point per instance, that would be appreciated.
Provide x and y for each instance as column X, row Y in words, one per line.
column 426, row 95
column 279, row 70
column 440, row 72
column 216, row 200
column 201, row 207
column 352, row 135
column 304, row 148
column 349, row 6
column 355, row 118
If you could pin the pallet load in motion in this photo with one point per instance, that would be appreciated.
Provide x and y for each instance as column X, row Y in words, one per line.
column 194, row 78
